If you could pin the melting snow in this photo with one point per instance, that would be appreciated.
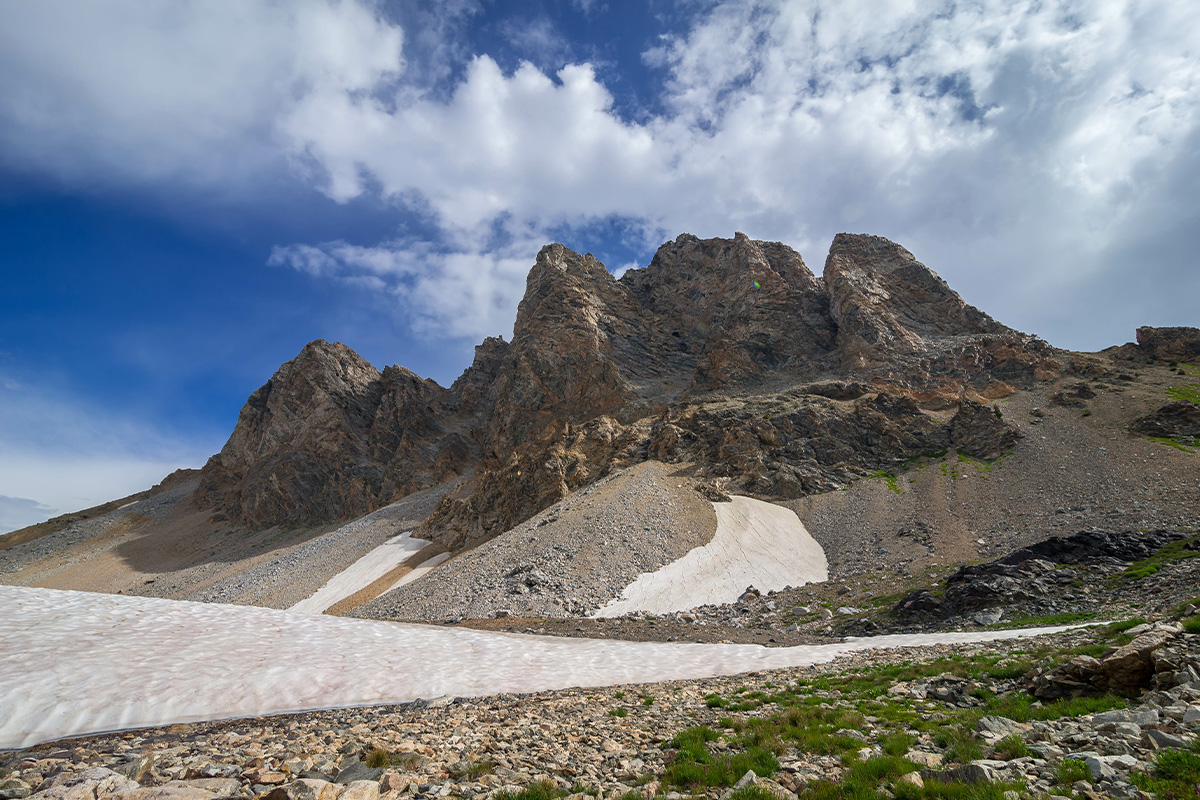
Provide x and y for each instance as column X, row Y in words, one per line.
column 73, row 663
column 756, row 544
column 362, row 573
column 419, row 570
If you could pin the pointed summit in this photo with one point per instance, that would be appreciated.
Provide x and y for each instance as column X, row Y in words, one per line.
column 888, row 304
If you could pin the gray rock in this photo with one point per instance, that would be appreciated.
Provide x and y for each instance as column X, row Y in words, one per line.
column 1159, row 740
column 354, row 770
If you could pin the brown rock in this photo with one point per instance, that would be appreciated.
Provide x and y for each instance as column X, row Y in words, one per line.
column 886, row 303
column 1170, row 344
column 1132, row 665
column 1179, row 420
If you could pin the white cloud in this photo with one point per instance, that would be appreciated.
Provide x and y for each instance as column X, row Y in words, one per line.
column 61, row 454
column 1015, row 146
column 18, row 512
column 1006, row 142
column 155, row 90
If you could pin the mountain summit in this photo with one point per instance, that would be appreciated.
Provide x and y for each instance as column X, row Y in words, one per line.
column 602, row 373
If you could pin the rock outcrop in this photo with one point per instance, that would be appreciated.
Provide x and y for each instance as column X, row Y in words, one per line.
column 329, row 437
column 682, row 360
column 1179, row 421
column 1170, row 344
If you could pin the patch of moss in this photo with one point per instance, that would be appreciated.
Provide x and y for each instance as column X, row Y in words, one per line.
column 1186, row 446
column 1175, row 551
column 888, row 478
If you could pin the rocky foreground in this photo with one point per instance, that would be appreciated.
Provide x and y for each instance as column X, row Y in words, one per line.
column 1089, row 711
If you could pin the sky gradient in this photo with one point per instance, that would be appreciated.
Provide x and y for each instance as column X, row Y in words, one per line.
column 191, row 191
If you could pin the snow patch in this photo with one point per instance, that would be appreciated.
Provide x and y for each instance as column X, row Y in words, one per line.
column 74, row 663
column 362, row 573
column 419, row 570
column 756, row 544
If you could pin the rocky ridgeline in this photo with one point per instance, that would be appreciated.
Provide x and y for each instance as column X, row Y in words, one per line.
column 608, row 742
column 680, row 360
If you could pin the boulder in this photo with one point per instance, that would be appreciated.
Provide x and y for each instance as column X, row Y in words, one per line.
column 1169, row 344
column 1132, row 665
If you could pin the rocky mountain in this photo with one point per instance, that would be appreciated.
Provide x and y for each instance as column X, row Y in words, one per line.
column 729, row 353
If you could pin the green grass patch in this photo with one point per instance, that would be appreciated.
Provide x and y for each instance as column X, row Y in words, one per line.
column 1114, row 628
column 1192, row 624
column 1176, row 775
column 542, row 790
column 887, row 477
column 618, row 712
column 1189, row 393
column 1186, row 445
column 1070, row 770
column 379, row 758
column 1011, row 747
column 1068, row 618
column 1168, row 553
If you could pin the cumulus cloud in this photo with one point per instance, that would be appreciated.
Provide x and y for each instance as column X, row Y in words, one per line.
column 1022, row 149
column 1011, row 145
column 153, row 90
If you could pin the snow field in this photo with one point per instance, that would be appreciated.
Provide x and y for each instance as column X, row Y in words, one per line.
column 73, row 663
column 756, row 544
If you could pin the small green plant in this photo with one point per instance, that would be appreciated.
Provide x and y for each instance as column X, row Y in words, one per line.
column 1168, row 553
column 896, row 743
column 1192, row 624
column 1011, row 747
column 1114, row 628
column 618, row 712
column 960, row 745
column 474, row 770
column 694, row 766
column 542, row 790
column 714, row 700
column 618, row 695
column 648, row 700
column 1071, row 770
column 378, row 758
column 1176, row 775
column 889, row 478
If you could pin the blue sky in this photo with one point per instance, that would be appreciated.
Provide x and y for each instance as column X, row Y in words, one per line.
column 190, row 191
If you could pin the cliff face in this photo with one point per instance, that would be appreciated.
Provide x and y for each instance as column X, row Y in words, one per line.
column 681, row 360
column 328, row 437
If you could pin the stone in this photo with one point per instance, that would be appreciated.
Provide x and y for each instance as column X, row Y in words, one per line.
column 1098, row 768
column 1131, row 666
column 352, row 769
column 14, row 789
column 304, row 789
column 911, row 779
column 993, row 728
column 1169, row 344
column 167, row 793
column 221, row 787
column 973, row 773
column 1160, row 740
column 360, row 790
column 923, row 759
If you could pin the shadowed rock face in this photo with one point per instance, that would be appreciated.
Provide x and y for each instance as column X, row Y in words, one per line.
column 675, row 362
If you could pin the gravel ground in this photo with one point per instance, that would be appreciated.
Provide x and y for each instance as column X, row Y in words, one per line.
column 292, row 576
column 568, row 560
column 1076, row 468
column 54, row 545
